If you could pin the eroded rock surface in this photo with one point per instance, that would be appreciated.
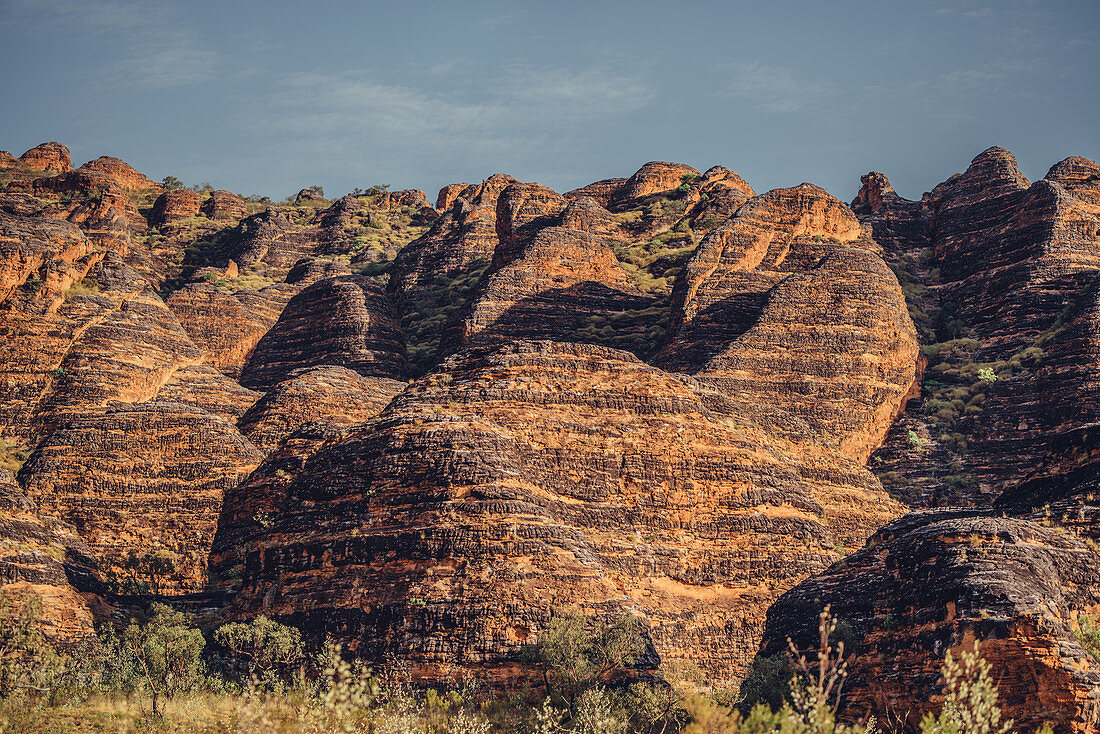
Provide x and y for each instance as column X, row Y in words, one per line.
column 533, row 477
column 143, row 477
column 936, row 581
column 335, row 395
column 346, row 321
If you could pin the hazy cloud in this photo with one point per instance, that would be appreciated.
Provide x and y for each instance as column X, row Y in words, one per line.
column 153, row 46
column 776, row 88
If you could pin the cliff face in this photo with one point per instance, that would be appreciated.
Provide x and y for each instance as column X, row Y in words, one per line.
column 942, row 580
column 41, row 555
column 1001, row 277
column 538, row 476
column 770, row 296
column 346, row 321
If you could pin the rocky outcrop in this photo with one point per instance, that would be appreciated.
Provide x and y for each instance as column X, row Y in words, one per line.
column 433, row 279
column 1004, row 274
column 787, row 302
column 346, row 321
column 536, row 477
column 552, row 289
column 227, row 326
column 144, row 477
column 174, row 205
column 715, row 197
column 225, row 206
column 49, row 157
column 605, row 192
column 414, row 198
column 447, row 196
column 522, row 210
column 120, row 173
column 81, row 327
column 44, row 559
column 310, row 196
column 999, row 270
column 203, row 387
column 655, row 177
column 942, row 581
column 335, row 395
column 464, row 234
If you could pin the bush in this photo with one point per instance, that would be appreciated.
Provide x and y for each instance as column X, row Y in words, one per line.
column 168, row 651
column 1088, row 634
column 575, row 652
column 265, row 651
column 970, row 706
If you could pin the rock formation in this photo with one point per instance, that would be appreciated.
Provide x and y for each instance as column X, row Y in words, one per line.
column 41, row 557
column 174, row 205
column 346, row 321
column 224, row 205
column 49, row 157
column 1002, row 276
column 146, row 477
column 335, row 395
column 941, row 581
column 120, row 173
column 533, row 477
column 767, row 300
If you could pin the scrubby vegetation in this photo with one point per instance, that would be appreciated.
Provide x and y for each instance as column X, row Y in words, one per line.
column 440, row 303
column 161, row 673
column 13, row 454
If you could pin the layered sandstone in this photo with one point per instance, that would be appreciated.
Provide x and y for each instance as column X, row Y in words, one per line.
column 537, row 477
column 346, row 321
column 224, row 205
column 655, row 177
column 553, row 288
column 789, row 303
column 120, row 173
column 144, row 477
column 42, row 558
column 335, row 395
column 49, row 157
column 173, row 206
column 81, row 328
column 942, row 581
column 447, row 196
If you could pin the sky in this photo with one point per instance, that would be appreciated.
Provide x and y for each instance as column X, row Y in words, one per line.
column 269, row 97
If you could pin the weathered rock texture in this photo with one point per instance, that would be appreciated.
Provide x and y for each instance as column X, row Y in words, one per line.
column 939, row 581
column 120, row 173
column 142, row 477
column 43, row 557
column 786, row 302
column 334, row 395
column 346, row 321
column 49, row 157
column 535, row 477
column 552, row 288
column 224, row 205
column 174, row 205
column 1002, row 276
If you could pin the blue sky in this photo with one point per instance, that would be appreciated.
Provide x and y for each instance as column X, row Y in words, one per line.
column 269, row 97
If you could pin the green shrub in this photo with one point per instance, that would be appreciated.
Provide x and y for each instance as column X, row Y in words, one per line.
column 970, row 704
column 168, row 650
column 263, row 650
column 1088, row 634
